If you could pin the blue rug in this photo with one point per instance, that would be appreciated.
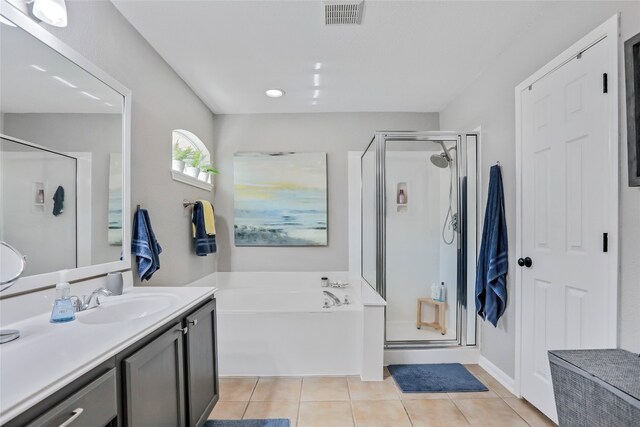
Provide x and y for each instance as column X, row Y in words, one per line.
column 436, row 378
column 276, row 422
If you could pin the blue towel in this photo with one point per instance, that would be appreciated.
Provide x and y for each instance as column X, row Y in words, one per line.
column 493, row 262
column 145, row 246
column 205, row 243
column 58, row 201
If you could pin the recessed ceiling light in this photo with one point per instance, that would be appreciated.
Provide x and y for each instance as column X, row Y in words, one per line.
column 61, row 80
column 53, row 12
column 274, row 93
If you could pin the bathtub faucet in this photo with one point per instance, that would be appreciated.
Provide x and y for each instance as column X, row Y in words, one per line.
column 335, row 299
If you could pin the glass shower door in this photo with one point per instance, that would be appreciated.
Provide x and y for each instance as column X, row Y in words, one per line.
column 421, row 241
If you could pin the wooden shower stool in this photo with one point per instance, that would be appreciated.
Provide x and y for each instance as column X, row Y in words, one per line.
column 440, row 307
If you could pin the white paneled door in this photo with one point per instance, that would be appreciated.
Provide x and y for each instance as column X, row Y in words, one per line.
column 566, row 195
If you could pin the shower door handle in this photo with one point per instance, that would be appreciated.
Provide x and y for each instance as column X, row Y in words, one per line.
column 525, row 262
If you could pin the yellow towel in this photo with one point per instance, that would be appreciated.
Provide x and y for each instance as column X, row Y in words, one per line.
column 209, row 219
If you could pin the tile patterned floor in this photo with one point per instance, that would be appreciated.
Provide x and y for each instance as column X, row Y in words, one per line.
column 349, row 402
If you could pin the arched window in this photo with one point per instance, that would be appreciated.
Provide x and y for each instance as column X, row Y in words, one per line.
column 190, row 159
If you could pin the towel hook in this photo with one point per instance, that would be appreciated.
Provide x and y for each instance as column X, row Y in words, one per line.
column 186, row 203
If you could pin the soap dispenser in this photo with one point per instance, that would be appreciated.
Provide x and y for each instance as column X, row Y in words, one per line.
column 63, row 310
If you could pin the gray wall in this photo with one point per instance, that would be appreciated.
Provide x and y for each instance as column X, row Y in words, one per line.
column 161, row 102
column 100, row 134
column 334, row 133
column 489, row 102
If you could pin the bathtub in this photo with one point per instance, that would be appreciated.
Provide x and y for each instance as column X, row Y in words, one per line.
column 268, row 326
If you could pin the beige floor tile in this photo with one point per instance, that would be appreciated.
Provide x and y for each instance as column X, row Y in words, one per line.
column 530, row 413
column 277, row 388
column 419, row 396
column 475, row 369
column 489, row 413
column 434, row 413
column 325, row 414
column 494, row 385
column 228, row 411
column 321, row 389
column 424, row 396
column 372, row 390
column 389, row 413
column 237, row 389
column 474, row 395
column 277, row 409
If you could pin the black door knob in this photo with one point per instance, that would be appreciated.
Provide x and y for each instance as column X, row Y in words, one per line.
column 525, row 262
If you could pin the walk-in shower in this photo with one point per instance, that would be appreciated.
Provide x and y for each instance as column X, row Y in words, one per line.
column 419, row 234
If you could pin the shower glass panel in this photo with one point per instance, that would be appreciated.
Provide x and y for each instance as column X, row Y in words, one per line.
column 421, row 239
column 369, row 215
column 419, row 235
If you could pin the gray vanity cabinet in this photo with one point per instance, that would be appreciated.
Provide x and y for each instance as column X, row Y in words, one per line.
column 202, row 378
column 154, row 382
column 167, row 379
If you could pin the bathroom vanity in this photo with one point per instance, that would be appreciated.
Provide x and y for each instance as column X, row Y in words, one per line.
column 152, row 365
column 144, row 358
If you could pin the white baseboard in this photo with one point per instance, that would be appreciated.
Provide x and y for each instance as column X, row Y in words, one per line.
column 462, row 355
column 499, row 375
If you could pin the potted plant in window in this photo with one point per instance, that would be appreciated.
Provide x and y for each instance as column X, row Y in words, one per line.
column 193, row 165
column 206, row 172
column 180, row 155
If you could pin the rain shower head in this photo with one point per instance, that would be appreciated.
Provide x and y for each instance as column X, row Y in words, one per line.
column 442, row 160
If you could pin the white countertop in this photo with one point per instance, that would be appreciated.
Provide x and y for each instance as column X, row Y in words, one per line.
column 49, row 356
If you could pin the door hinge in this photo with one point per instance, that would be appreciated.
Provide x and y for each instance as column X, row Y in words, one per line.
column 605, row 83
column 605, row 242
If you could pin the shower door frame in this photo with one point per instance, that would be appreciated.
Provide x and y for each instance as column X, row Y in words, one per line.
column 461, row 141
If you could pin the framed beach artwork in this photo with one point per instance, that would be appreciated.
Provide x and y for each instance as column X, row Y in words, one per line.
column 280, row 199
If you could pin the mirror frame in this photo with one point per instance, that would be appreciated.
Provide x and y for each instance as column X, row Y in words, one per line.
column 40, row 281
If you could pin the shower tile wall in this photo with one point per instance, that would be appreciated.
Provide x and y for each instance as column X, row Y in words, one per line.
column 416, row 253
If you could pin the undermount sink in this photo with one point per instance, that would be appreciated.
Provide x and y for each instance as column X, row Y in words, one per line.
column 129, row 308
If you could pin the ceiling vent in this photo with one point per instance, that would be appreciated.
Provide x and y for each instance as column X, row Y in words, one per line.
column 344, row 12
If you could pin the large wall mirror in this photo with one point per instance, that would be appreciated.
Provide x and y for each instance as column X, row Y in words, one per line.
column 63, row 158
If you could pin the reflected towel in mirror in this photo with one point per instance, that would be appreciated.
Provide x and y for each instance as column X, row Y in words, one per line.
column 58, row 201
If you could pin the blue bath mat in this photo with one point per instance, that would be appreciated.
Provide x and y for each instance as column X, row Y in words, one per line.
column 276, row 422
column 435, row 378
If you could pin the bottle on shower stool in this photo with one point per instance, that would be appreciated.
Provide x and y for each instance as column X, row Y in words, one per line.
column 435, row 292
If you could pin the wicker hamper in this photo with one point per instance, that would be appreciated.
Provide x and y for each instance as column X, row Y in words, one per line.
column 599, row 388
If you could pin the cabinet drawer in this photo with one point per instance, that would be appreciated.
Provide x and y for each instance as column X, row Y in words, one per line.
column 93, row 406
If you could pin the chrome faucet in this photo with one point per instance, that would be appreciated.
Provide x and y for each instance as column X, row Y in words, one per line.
column 335, row 299
column 84, row 303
